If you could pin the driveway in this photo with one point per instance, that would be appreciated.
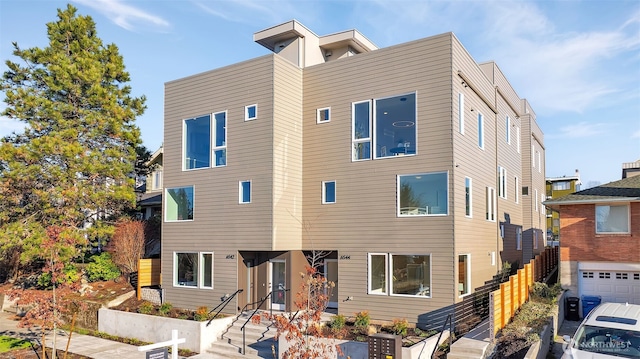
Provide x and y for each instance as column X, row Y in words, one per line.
column 568, row 327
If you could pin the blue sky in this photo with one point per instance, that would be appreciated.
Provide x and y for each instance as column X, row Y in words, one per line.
column 577, row 62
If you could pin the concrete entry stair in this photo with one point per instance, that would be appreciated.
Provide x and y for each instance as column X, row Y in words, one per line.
column 473, row 345
column 260, row 342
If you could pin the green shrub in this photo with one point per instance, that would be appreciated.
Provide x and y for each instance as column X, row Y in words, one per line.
column 71, row 274
column 337, row 322
column 102, row 268
column 400, row 327
column 165, row 308
column 362, row 319
column 201, row 314
column 145, row 308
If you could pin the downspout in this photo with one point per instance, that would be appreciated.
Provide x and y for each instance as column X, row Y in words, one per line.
column 495, row 125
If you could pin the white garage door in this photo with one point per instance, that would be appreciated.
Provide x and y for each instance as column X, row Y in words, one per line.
column 612, row 284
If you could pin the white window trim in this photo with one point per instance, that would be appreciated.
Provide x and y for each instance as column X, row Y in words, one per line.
column 508, row 132
column 390, row 270
column 535, row 198
column 369, row 139
column 461, row 112
column 201, row 270
column 539, row 161
column 502, row 182
column 533, row 158
column 175, row 270
column 319, row 117
column 490, row 211
column 470, row 215
column 386, row 274
column 595, row 214
column 324, row 192
column 165, row 197
column 419, row 215
column 518, row 138
column 468, row 277
column 246, row 113
column 517, row 189
column 215, row 148
column 480, row 131
column 241, row 192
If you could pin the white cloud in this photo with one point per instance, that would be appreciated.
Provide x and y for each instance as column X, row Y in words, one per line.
column 122, row 14
column 580, row 130
column 636, row 134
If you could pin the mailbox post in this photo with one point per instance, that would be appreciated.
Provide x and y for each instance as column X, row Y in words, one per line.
column 385, row 346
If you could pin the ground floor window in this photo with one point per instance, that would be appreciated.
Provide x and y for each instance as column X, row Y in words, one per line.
column 193, row 269
column 400, row 274
column 464, row 274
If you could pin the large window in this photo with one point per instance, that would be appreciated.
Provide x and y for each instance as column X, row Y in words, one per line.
column 467, row 197
column 400, row 274
column 423, row 194
column 612, row 219
column 220, row 139
column 464, row 274
column 392, row 121
column 192, row 269
column 179, row 204
column 197, row 142
column 561, row 185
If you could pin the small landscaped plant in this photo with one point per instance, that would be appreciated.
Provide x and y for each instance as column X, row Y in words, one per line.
column 201, row 314
column 363, row 319
column 337, row 322
column 165, row 308
column 146, row 308
column 400, row 327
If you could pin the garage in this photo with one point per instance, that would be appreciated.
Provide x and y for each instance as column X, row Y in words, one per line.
column 614, row 282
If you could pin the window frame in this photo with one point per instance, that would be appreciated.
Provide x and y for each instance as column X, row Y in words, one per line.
column 502, row 182
column 319, row 115
column 166, row 197
column 199, row 270
column 516, row 189
column 426, row 214
column 518, row 138
column 467, row 275
column 490, row 204
column 508, row 131
column 357, row 141
column 535, row 198
column 241, row 192
column 247, row 108
column 468, row 199
column 185, row 145
column 481, row 131
column 461, row 113
column 214, row 135
column 390, row 270
column 598, row 231
column 385, row 287
column 519, row 239
column 324, row 192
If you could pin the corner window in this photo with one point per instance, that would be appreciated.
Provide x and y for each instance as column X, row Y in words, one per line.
column 423, row 194
column 197, row 142
column 612, row 219
column 490, row 204
column 464, row 274
column 179, row 204
column 461, row 112
column 467, row 197
column 328, row 192
column 250, row 112
column 220, row 139
column 508, row 131
column 481, row 131
column 392, row 123
column 502, row 184
column 377, row 274
column 244, row 192
column 193, row 269
column 323, row 115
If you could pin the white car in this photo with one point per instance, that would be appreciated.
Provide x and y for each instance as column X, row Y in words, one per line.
column 611, row 330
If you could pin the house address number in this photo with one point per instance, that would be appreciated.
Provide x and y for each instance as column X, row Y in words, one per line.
column 230, row 256
column 345, row 257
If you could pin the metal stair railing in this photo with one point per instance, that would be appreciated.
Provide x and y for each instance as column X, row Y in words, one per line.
column 224, row 303
column 260, row 303
column 448, row 320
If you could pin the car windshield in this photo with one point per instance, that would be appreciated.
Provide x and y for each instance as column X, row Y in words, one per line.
column 610, row 341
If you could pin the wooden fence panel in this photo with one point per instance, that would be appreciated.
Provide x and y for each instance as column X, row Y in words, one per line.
column 497, row 303
column 148, row 274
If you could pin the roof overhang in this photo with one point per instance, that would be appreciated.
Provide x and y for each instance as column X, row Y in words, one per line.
column 351, row 38
column 279, row 33
column 555, row 205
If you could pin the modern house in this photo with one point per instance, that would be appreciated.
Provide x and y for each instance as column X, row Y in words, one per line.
column 412, row 169
column 150, row 193
column 600, row 241
column 631, row 169
column 558, row 187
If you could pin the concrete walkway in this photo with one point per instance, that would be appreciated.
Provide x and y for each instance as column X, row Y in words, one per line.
column 569, row 328
column 86, row 345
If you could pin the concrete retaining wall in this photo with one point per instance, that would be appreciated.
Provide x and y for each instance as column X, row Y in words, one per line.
column 154, row 329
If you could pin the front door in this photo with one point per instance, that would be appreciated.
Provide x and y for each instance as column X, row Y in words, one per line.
column 331, row 273
column 250, row 282
column 277, row 284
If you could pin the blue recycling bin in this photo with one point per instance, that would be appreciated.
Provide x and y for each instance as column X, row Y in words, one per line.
column 589, row 302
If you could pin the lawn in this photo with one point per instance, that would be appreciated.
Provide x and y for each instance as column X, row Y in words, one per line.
column 9, row 343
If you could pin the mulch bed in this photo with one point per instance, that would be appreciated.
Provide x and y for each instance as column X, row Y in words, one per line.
column 36, row 353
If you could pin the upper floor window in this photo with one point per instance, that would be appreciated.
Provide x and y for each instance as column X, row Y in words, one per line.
column 516, row 187
column 502, row 184
column 385, row 127
column 328, row 192
column 490, row 214
column 480, row 131
column 612, row 219
column 197, row 142
column 508, row 131
column 533, row 158
column 539, row 158
column 323, row 115
column 244, row 192
column 423, row 194
column 535, row 198
column 179, row 204
column 250, row 112
column 467, row 197
column 518, row 138
column 461, row 112
column 561, row 186
column 156, row 179
column 220, row 139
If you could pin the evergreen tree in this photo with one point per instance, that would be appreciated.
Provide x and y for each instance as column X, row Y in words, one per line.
column 73, row 166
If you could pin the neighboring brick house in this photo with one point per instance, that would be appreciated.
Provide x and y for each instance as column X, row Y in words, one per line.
column 559, row 187
column 600, row 241
column 403, row 163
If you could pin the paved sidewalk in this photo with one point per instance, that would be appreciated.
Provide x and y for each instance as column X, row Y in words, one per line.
column 569, row 328
column 86, row 345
